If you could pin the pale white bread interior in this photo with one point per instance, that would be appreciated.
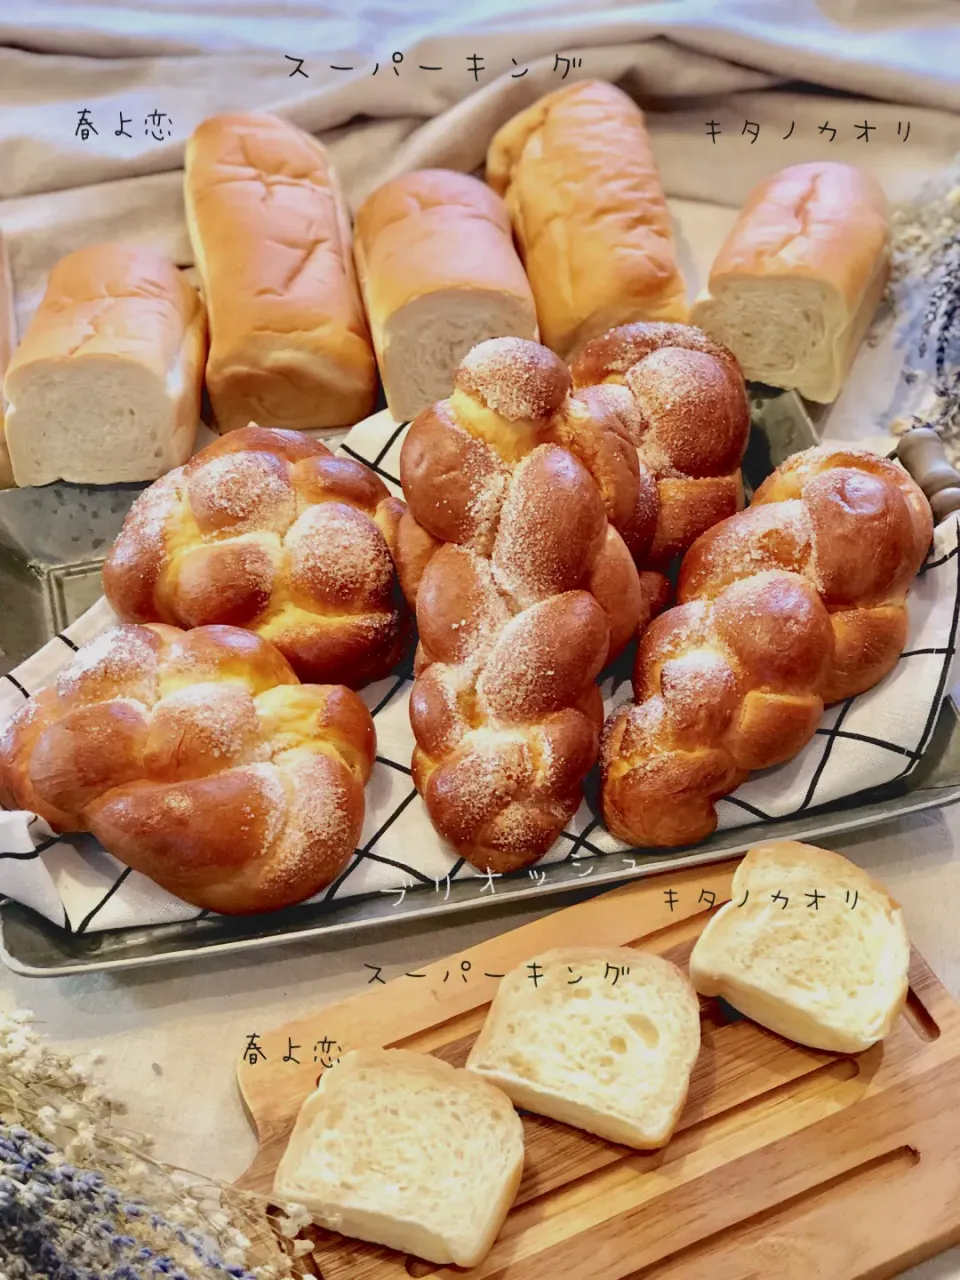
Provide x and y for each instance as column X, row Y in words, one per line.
column 797, row 282
column 605, row 1040
column 829, row 972
column 402, row 1149
column 105, row 386
column 439, row 274
column 289, row 343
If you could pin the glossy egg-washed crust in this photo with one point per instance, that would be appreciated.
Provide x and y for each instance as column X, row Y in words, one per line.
column 523, row 590
column 268, row 530
column 784, row 608
column 198, row 759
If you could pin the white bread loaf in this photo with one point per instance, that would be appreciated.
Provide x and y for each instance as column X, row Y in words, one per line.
column 105, row 386
column 577, row 173
column 439, row 274
column 604, row 1040
column 402, row 1149
column 289, row 344
column 796, row 283
column 826, row 972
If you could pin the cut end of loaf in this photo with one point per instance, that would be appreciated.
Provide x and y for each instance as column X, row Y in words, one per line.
column 95, row 420
column 785, row 333
column 424, row 342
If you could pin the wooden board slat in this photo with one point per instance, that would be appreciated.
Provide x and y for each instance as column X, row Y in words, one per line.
column 786, row 1161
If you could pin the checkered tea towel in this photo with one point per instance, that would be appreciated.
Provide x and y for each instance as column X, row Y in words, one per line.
column 862, row 743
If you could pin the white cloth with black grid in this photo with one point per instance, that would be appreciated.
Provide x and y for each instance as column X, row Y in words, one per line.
column 862, row 743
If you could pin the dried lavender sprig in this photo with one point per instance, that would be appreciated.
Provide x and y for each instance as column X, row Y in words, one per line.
column 70, row 1224
column 54, row 1096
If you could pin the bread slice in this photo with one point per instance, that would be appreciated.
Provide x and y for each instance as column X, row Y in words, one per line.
column 105, row 386
column 796, row 284
column 402, row 1149
column 602, row 1038
column 829, row 972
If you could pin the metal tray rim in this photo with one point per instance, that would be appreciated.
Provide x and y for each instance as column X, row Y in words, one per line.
column 853, row 819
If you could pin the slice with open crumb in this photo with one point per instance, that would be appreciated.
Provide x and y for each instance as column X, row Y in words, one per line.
column 809, row 946
column 602, row 1038
column 402, row 1149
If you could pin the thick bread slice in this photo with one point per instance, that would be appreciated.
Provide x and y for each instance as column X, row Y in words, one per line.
column 401, row 1149
column 828, row 971
column 603, row 1038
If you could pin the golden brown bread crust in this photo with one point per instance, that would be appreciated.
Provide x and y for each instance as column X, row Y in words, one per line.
column 680, row 401
column 268, row 530
column 198, row 759
column 835, row 213
column 784, row 608
column 428, row 229
column 436, row 234
column 814, row 240
column 523, row 589
column 580, row 182
column 289, row 344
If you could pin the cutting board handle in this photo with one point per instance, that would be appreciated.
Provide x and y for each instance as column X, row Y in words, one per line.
column 922, row 453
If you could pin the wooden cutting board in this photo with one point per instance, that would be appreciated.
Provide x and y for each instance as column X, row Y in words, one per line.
column 787, row 1162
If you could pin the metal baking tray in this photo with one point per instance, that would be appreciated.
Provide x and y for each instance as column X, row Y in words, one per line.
column 32, row 946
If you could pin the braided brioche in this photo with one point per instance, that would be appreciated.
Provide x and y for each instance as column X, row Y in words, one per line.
column 523, row 590
column 199, row 759
column 268, row 530
column 784, row 608
column 679, row 399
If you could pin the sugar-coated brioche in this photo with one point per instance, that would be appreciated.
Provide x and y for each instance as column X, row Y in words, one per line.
column 810, row 946
column 289, row 344
column 439, row 274
column 797, row 281
column 678, row 397
column 267, row 529
column 603, row 1038
column 795, row 603
column 577, row 172
column 197, row 758
column 105, row 385
column 523, row 589
column 402, row 1149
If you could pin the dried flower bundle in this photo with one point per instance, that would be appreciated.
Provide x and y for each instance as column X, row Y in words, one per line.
column 82, row 1198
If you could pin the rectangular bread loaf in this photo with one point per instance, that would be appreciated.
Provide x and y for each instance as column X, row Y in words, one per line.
column 439, row 274
column 289, row 344
column 796, row 283
column 105, row 386
column 580, row 182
